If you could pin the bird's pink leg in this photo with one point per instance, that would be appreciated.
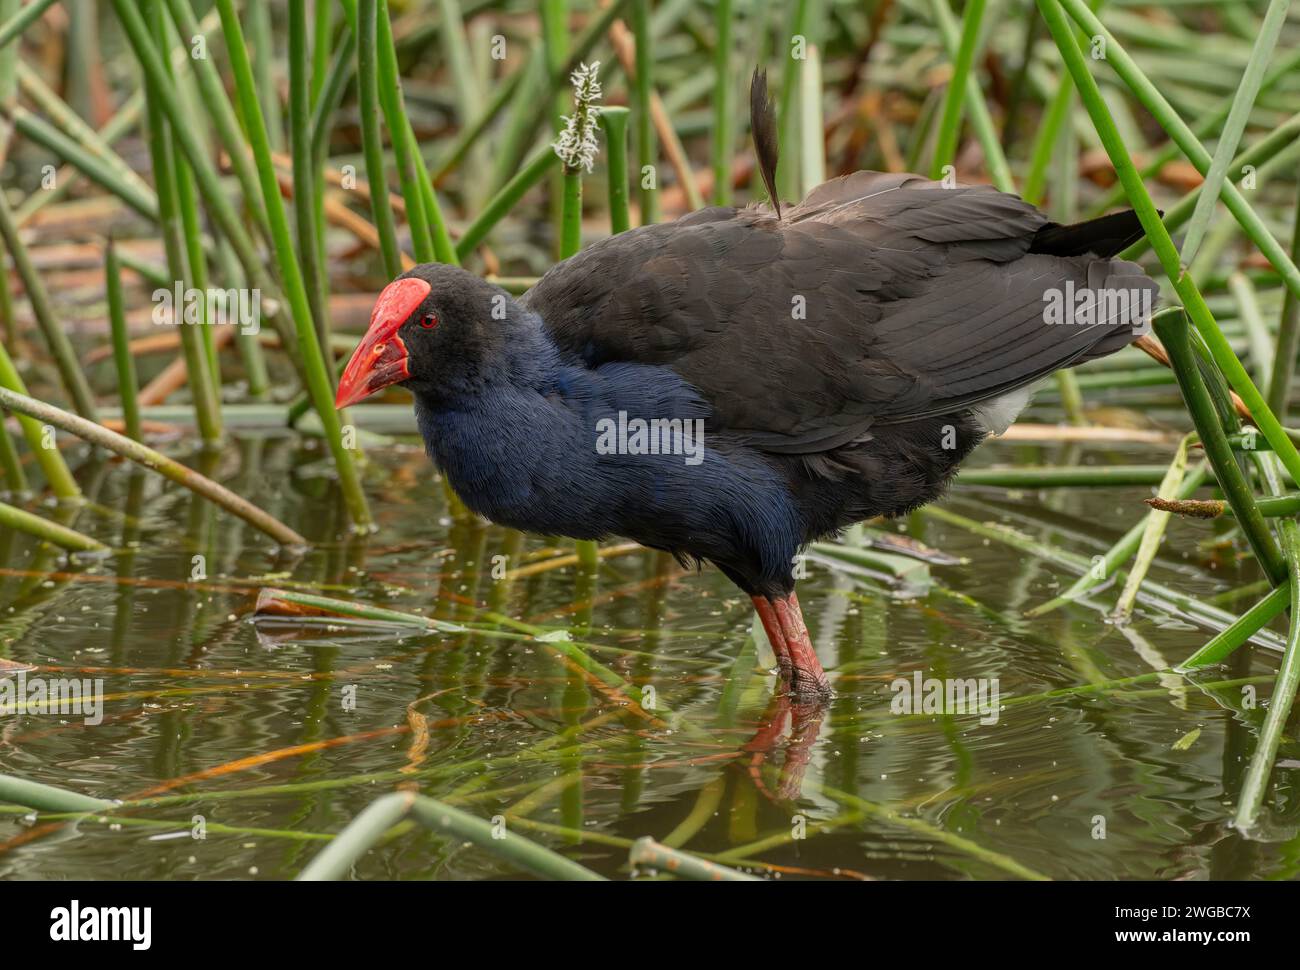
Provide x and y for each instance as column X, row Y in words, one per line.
column 775, row 636
column 807, row 677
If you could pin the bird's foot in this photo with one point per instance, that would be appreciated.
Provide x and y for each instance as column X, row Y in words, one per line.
column 807, row 687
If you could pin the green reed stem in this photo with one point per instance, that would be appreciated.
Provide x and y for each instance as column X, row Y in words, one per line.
column 371, row 139
column 198, row 343
column 1045, row 142
column 1288, row 333
column 214, row 196
column 69, row 123
column 1203, row 127
column 787, row 176
column 1173, row 332
column 332, row 90
column 1153, row 531
column 50, row 459
column 60, row 347
column 250, row 347
column 322, row 35
column 1148, row 94
column 97, row 434
column 168, row 169
column 1238, row 115
column 212, row 92
column 1250, row 622
column 614, row 120
column 444, row 819
column 883, row 813
column 47, row 798
column 1255, row 783
column 8, row 63
column 10, row 462
column 313, row 362
column 358, row 838
column 1120, row 552
column 646, row 147
column 390, row 99
column 945, row 152
column 90, row 164
column 263, row 50
column 976, row 107
column 723, row 106
column 1064, row 476
column 23, row 19
column 571, row 214
column 21, row 520
column 469, row 134
column 812, row 143
column 306, row 173
column 1163, row 245
column 505, row 200
column 1165, row 597
column 8, row 326
column 538, row 86
column 126, row 377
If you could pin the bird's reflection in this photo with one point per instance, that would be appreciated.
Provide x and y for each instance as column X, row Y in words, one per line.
column 805, row 719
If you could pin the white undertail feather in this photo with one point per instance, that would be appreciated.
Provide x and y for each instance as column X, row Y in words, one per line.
column 1001, row 412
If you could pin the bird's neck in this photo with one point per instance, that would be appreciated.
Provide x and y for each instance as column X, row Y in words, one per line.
column 520, row 358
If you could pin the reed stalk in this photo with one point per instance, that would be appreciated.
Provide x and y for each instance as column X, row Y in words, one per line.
column 614, row 120
column 1173, row 332
column 394, row 113
column 12, row 517
column 368, row 827
column 723, row 106
column 977, row 108
column 309, row 348
column 505, row 200
column 56, row 340
column 1234, row 126
column 183, row 244
column 97, row 434
column 122, row 359
column 646, row 148
column 650, row 854
column 945, row 151
column 1161, row 242
column 48, row 456
column 1149, row 95
column 367, row 31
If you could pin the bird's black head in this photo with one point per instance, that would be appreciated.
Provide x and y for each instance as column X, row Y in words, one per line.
column 434, row 326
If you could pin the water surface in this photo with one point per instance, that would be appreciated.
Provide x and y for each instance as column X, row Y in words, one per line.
column 271, row 733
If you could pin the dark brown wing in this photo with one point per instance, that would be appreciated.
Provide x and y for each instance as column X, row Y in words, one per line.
column 880, row 297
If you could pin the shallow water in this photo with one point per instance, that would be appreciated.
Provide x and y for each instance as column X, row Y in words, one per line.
column 272, row 731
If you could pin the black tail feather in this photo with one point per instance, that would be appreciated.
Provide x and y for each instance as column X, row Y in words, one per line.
column 762, row 123
column 1106, row 236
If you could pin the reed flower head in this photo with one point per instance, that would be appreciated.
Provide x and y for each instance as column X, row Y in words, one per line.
column 577, row 145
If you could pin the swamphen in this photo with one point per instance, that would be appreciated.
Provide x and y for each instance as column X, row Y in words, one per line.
column 843, row 355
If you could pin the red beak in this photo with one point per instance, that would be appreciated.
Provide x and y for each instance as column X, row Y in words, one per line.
column 381, row 358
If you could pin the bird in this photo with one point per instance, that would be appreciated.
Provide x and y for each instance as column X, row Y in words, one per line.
column 799, row 368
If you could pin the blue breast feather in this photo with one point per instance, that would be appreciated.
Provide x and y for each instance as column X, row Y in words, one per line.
column 524, row 453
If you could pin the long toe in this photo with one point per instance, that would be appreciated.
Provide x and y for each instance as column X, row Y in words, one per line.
column 809, row 686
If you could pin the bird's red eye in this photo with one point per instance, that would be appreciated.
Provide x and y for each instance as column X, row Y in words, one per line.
column 429, row 321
